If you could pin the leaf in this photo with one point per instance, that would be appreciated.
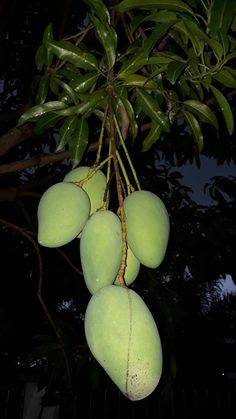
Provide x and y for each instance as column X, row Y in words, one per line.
column 224, row 41
column 100, row 10
column 217, row 49
column 37, row 111
column 191, row 31
column 131, row 115
column 46, row 121
column 70, row 93
column 79, row 141
column 202, row 111
column 151, row 108
column 159, row 31
column 136, row 80
column 82, row 84
column 66, row 131
column 174, row 71
column 221, row 16
column 225, row 109
column 43, row 57
column 42, row 90
column 152, row 137
column 225, row 77
column 86, row 107
column 108, row 41
column 178, row 5
column 195, row 128
column 66, row 51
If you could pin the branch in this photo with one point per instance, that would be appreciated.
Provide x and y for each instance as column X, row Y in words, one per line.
column 14, row 137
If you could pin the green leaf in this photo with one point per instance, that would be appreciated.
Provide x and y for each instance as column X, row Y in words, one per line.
column 70, row 93
column 66, row 131
column 107, row 36
column 131, row 115
column 88, row 105
column 224, row 41
column 79, row 141
column 100, row 10
column 191, row 31
column 42, row 90
column 225, row 77
column 161, row 16
column 136, row 80
column 82, row 84
column 221, row 16
column 178, row 5
column 43, row 57
column 37, row 111
column 48, row 120
column 195, row 128
column 225, row 109
column 151, row 108
column 159, row 31
column 66, row 51
column 217, row 49
column 152, row 137
column 202, row 111
column 48, row 33
column 174, row 71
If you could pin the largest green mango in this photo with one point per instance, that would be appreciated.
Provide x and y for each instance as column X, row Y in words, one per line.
column 147, row 224
column 123, row 337
column 95, row 186
column 62, row 213
column 101, row 249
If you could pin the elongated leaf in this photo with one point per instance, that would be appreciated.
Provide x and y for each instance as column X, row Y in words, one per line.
column 225, row 109
column 100, row 10
column 82, row 84
column 68, row 52
column 153, row 135
column 79, row 141
column 136, row 80
column 131, row 115
column 159, row 31
column 68, row 90
column 42, row 91
column 201, row 110
column 221, row 16
column 188, row 29
column 46, row 121
column 88, row 105
column 66, row 131
column 223, row 40
column 178, row 5
column 37, row 111
column 174, row 71
column 43, row 57
column 195, row 128
column 225, row 77
column 103, row 32
column 151, row 108
column 217, row 48
column 161, row 16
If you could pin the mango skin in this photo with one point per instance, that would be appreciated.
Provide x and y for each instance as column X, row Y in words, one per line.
column 62, row 213
column 101, row 249
column 132, row 268
column 123, row 337
column 148, row 227
column 95, row 186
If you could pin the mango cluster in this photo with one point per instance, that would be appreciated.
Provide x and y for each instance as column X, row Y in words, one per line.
column 120, row 330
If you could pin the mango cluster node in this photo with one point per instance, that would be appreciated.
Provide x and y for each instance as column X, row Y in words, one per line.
column 123, row 337
column 63, row 211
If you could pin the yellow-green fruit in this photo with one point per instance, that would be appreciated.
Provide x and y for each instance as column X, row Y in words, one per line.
column 95, row 186
column 132, row 268
column 62, row 213
column 123, row 337
column 147, row 223
column 101, row 249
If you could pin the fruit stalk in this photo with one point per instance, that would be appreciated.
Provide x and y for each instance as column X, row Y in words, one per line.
column 118, row 186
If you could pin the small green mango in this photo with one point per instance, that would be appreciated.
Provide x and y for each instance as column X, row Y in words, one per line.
column 95, row 186
column 147, row 224
column 62, row 213
column 101, row 249
column 123, row 337
column 132, row 268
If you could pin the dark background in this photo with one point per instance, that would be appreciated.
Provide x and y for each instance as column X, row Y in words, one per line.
column 196, row 321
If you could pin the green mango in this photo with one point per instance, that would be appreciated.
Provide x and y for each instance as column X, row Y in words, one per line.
column 132, row 268
column 123, row 337
column 101, row 249
column 62, row 213
column 95, row 186
column 148, row 226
